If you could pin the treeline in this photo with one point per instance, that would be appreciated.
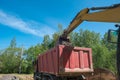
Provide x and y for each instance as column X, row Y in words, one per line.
column 18, row 60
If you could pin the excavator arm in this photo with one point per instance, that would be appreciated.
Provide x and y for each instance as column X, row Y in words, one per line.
column 101, row 14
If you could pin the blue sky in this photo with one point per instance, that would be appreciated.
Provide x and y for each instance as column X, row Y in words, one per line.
column 30, row 20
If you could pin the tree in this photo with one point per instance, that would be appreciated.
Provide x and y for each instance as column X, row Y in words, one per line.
column 56, row 35
column 100, row 53
column 110, row 46
column 10, row 58
column 111, row 57
column 85, row 38
column 32, row 54
column 46, row 42
column 13, row 43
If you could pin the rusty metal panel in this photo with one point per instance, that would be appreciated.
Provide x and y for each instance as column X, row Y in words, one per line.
column 74, row 59
column 66, row 60
column 55, row 60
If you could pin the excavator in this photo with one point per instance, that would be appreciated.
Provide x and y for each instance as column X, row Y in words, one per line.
column 109, row 14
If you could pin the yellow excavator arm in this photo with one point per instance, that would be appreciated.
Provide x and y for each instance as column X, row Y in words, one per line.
column 102, row 14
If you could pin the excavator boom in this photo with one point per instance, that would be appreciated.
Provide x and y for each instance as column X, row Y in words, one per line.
column 109, row 15
column 100, row 14
column 103, row 14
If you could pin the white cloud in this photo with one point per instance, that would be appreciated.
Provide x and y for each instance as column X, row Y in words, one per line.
column 30, row 27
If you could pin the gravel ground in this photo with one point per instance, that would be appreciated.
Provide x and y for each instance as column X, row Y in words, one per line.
column 16, row 77
column 9, row 77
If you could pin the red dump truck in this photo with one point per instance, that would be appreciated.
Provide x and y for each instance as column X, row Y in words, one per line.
column 64, row 61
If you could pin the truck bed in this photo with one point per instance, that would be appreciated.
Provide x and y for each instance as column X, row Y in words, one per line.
column 66, row 60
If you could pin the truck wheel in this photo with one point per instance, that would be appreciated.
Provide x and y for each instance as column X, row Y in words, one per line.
column 37, row 76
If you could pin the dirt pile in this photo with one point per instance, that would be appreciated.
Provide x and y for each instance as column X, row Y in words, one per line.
column 102, row 74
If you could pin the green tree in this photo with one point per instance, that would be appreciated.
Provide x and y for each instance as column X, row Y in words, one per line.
column 56, row 35
column 110, row 46
column 10, row 58
column 111, row 57
column 13, row 43
column 100, row 53
column 46, row 42
column 85, row 38
column 31, row 55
